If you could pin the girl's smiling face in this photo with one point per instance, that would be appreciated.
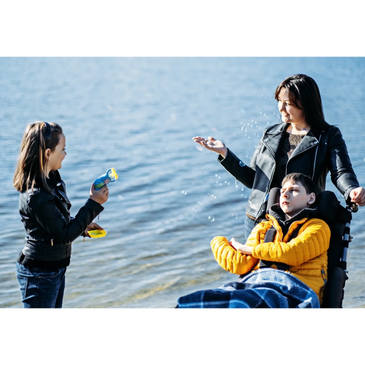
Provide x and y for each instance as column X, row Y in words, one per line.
column 56, row 156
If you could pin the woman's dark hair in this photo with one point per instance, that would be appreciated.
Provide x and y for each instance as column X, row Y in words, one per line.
column 30, row 169
column 304, row 94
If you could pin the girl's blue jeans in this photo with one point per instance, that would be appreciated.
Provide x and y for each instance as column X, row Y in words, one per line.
column 41, row 288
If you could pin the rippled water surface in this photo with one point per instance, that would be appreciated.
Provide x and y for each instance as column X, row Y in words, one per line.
column 139, row 115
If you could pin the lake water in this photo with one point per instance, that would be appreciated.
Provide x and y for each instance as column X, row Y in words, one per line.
column 139, row 115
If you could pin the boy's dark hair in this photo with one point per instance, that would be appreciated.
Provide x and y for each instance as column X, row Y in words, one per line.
column 306, row 181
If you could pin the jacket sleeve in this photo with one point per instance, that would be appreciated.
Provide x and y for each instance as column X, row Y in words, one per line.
column 342, row 173
column 313, row 239
column 239, row 170
column 52, row 220
column 230, row 259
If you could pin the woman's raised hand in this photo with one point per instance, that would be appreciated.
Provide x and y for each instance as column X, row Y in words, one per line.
column 212, row 144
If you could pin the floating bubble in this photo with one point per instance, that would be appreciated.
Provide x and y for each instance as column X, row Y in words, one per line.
column 120, row 197
column 200, row 148
column 184, row 192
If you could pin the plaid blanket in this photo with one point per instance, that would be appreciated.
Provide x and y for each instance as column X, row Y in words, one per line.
column 264, row 288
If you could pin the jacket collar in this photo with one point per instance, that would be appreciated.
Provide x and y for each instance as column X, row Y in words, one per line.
column 276, row 212
column 310, row 140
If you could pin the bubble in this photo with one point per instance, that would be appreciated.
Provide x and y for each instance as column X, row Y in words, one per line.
column 120, row 197
column 184, row 192
column 200, row 148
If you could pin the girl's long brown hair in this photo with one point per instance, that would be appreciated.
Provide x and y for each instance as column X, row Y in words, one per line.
column 30, row 169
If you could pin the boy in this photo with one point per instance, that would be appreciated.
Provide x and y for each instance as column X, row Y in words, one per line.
column 272, row 266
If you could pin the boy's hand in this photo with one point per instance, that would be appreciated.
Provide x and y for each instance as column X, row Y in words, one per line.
column 101, row 195
column 246, row 250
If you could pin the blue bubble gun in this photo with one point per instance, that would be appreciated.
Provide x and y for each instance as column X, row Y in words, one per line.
column 108, row 177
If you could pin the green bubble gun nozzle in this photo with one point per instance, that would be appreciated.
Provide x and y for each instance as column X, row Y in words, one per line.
column 108, row 177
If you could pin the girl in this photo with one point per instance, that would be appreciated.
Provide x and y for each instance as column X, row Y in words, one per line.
column 45, row 212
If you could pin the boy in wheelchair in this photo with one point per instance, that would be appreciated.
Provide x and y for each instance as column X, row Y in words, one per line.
column 284, row 262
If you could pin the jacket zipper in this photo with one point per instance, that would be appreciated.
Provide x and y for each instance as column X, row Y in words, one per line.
column 315, row 157
column 266, row 196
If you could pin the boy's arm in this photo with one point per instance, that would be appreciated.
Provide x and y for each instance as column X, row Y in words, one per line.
column 233, row 260
column 230, row 259
column 313, row 240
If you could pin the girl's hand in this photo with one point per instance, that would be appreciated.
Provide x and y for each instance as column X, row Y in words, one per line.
column 101, row 195
column 91, row 227
column 212, row 144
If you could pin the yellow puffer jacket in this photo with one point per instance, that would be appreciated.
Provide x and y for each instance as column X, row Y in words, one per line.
column 306, row 254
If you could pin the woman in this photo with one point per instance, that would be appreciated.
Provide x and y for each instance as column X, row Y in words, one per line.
column 45, row 212
column 304, row 142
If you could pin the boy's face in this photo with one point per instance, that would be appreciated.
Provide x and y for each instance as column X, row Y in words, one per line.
column 294, row 198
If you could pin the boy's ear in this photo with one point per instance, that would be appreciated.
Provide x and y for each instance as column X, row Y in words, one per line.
column 312, row 198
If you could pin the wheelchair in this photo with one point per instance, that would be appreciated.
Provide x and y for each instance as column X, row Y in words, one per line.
column 338, row 219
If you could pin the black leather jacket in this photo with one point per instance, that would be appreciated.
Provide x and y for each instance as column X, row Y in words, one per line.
column 49, row 227
column 318, row 153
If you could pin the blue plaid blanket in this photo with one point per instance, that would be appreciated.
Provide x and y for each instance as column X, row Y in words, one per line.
column 264, row 288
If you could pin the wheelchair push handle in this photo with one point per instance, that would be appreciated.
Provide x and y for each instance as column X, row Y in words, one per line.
column 351, row 205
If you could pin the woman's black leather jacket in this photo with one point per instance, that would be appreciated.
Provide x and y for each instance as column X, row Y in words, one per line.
column 316, row 155
column 49, row 227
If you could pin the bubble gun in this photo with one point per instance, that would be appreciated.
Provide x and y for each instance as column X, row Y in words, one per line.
column 108, row 177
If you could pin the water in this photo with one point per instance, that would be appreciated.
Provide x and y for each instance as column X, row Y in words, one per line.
column 139, row 115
